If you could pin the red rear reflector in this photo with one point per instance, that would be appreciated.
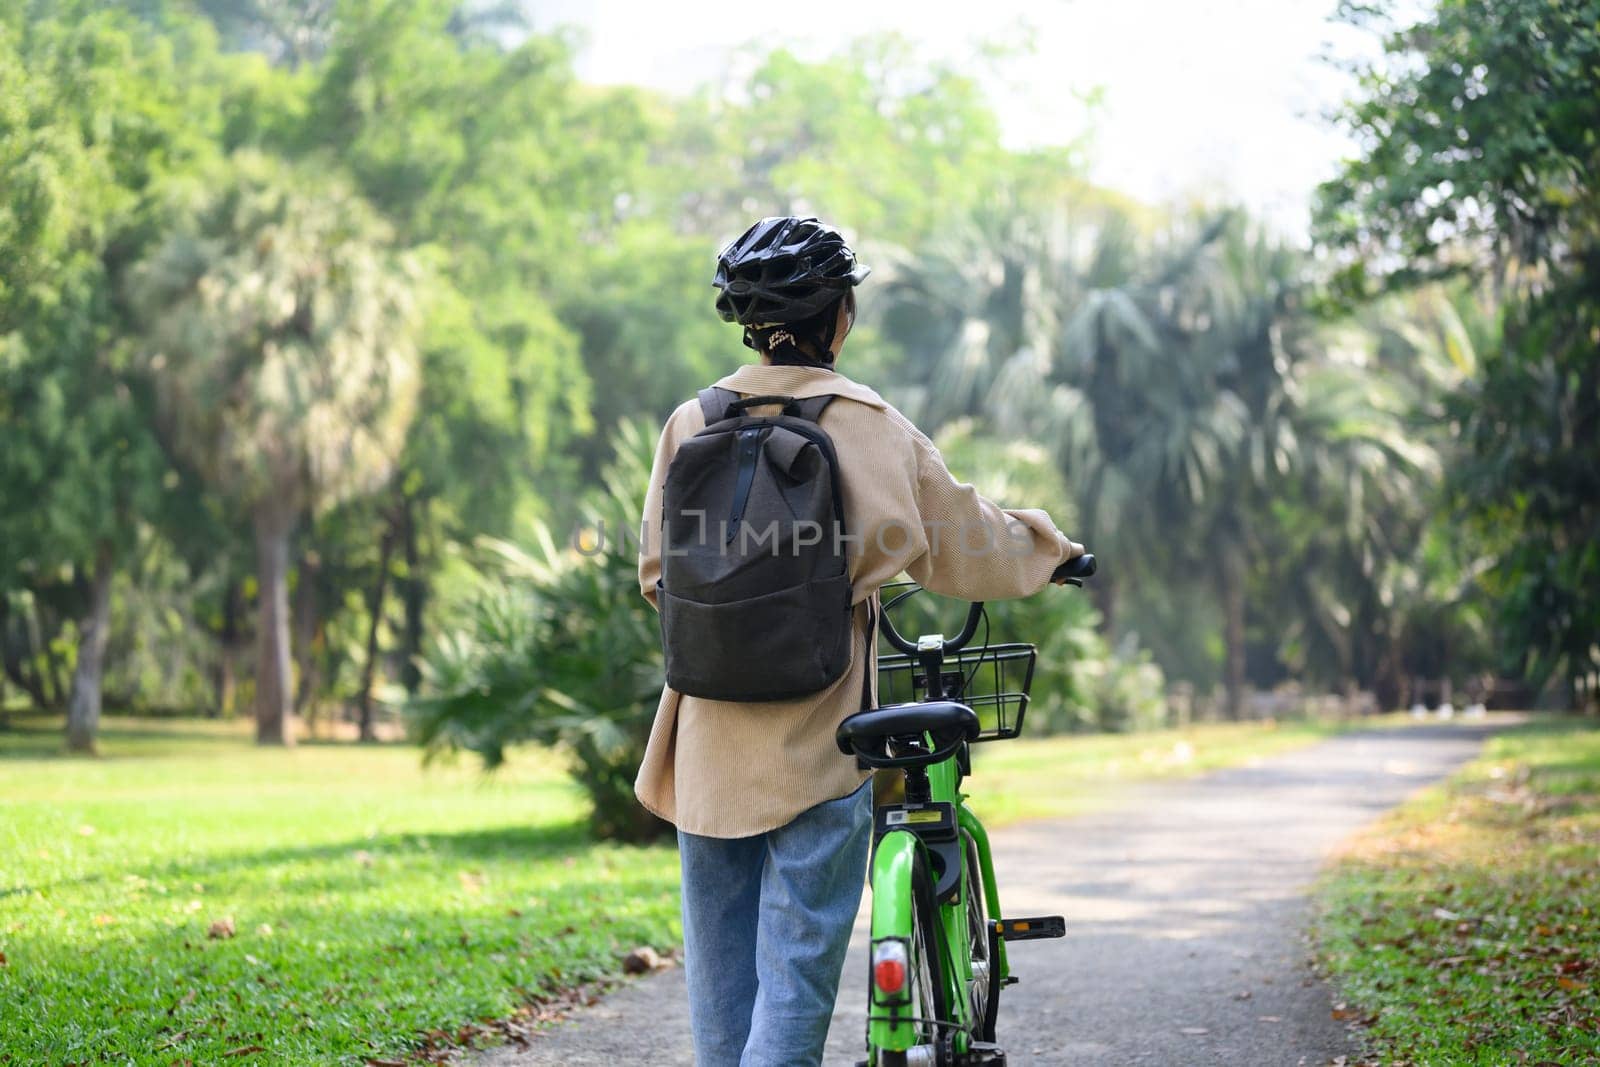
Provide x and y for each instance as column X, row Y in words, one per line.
column 889, row 975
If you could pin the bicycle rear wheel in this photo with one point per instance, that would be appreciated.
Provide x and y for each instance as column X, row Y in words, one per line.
column 984, row 991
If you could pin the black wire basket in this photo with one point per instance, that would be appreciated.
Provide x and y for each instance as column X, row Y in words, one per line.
column 992, row 680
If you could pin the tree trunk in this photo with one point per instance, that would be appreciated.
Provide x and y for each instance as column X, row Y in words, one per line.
column 83, row 707
column 1390, row 685
column 1233, row 607
column 415, row 593
column 375, row 618
column 14, row 662
column 274, row 713
column 229, row 641
column 305, row 634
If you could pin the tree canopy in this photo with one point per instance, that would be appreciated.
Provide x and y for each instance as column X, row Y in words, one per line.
column 362, row 287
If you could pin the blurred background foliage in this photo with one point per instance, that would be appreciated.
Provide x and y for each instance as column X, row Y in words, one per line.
column 439, row 292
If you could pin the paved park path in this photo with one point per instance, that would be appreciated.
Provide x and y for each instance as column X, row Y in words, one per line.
column 1186, row 909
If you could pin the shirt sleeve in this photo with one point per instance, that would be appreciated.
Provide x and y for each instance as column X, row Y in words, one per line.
column 978, row 550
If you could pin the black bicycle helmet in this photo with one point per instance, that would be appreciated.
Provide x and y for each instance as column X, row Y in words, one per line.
column 784, row 269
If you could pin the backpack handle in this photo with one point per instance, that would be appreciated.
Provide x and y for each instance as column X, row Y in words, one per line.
column 791, row 406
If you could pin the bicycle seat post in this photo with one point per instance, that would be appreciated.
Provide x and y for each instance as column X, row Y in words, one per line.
column 918, row 788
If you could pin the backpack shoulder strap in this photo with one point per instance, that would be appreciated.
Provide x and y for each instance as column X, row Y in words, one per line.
column 714, row 403
column 812, row 406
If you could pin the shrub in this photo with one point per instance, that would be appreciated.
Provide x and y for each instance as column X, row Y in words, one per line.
column 559, row 649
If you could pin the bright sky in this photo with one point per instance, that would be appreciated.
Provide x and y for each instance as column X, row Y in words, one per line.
column 1215, row 99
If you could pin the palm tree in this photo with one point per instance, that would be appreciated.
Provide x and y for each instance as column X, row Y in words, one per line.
column 278, row 332
column 1181, row 382
column 965, row 304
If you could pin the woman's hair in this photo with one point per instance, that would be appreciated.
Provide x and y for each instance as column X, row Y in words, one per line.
column 806, row 343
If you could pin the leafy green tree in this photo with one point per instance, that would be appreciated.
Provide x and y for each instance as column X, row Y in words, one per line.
column 875, row 137
column 1531, row 481
column 1182, row 381
column 94, row 107
column 1479, row 156
column 493, row 156
column 280, row 332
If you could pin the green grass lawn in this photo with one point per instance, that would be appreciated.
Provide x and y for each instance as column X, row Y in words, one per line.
column 376, row 906
column 372, row 901
column 1463, row 928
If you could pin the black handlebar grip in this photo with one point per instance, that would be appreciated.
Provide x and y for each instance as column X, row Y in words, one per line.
column 1075, row 570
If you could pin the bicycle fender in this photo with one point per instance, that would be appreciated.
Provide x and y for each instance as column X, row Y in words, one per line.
column 889, row 1027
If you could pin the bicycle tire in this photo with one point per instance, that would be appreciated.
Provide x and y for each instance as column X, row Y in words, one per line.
column 984, row 1010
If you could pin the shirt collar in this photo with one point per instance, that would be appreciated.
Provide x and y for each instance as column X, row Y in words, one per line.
column 757, row 379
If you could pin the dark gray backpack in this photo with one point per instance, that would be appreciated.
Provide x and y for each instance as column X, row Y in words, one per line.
column 754, row 591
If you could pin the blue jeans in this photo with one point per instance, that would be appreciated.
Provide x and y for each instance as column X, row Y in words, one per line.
column 766, row 920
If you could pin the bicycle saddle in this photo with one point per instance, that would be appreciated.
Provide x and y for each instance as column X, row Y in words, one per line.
column 867, row 733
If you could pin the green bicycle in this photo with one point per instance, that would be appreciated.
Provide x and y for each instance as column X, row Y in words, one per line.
column 938, row 952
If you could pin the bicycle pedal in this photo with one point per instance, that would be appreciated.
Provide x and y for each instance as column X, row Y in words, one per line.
column 1009, row 980
column 982, row 1054
column 1033, row 929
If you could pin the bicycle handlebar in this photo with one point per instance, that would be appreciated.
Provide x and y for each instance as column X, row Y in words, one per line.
column 1076, row 569
column 1072, row 572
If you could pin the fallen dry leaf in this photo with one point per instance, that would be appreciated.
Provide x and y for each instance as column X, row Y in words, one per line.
column 245, row 1050
column 176, row 1039
column 642, row 960
column 220, row 930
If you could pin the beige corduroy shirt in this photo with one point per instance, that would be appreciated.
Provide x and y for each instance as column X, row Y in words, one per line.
column 725, row 769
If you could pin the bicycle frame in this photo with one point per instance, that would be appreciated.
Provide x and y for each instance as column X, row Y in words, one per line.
column 890, row 1025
